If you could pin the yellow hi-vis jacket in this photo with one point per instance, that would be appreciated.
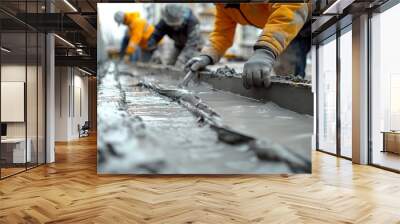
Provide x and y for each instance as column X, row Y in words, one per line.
column 139, row 31
column 280, row 24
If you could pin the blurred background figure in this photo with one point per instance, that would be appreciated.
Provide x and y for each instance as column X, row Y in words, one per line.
column 280, row 24
column 294, row 59
column 182, row 26
column 178, row 43
column 134, row 43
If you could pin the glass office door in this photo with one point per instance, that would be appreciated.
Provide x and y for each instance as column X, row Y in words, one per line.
column 22, row 77
column 334, row 97
column 326, row 59
column 15, row 149
column 345, row 43
column 385, row 89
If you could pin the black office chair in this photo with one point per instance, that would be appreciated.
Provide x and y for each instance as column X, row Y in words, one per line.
column 84, row 130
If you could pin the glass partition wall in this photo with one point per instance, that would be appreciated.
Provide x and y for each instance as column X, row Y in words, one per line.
column 345, row 64
column 327, row 95
column 334, row 94
column 22, row 77
column 13, row 109
column 385, row 90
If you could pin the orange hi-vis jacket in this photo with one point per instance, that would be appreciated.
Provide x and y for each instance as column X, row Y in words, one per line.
column 280, row 23
column 139, row 31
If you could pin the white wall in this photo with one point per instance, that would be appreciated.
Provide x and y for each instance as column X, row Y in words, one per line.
column 62, row 81
column 34, row 125
column 80, row 110
column 12, row 73
column 71, row 94
column 13, row 101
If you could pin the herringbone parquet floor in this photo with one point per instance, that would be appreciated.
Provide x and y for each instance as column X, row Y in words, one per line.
column 70, row 191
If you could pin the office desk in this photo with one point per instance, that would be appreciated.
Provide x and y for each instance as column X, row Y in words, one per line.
column 13, row 150
column 391, row 141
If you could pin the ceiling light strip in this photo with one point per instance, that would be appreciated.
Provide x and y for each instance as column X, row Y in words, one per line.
column 70, row 5
column 65, row 41
column 5, row 50
column 86, row 72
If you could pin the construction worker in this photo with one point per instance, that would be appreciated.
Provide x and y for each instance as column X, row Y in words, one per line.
column 135, row 40
column 181, row 25
column 294, row 59
column 280, row 23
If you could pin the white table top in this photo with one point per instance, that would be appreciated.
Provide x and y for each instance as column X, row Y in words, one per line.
column 13, row 140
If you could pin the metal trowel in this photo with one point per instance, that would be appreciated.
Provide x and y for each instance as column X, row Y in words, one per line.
column 189, row 76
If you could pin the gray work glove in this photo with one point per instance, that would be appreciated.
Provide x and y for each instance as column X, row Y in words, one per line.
column 256, row 71
column 197, row 63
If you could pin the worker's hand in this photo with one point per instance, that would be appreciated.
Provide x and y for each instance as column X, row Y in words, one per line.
column 198, row 63
column 256, row 71
column 151, row 44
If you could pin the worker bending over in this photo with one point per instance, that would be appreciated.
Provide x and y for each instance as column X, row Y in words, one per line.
column 280, row 23
column 182, row 26
column 135, row 40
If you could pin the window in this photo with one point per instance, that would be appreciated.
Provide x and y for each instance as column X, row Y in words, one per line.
column 385, row 89
column 327, row 96
column 346, row 93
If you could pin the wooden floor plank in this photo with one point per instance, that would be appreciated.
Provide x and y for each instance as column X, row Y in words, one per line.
column 70, row 191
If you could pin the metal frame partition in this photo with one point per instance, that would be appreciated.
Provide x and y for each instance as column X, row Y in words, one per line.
column 42, row 54
column 380, row 9
column 341, row 25
column 0, row 92
column 337, row 34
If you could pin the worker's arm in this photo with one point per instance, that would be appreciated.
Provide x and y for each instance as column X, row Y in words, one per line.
column 194, row 38
column 193, row 43
column 124, row 45
column 282, row 26
column 158, row 34
column 221, row 38
column 136, row 34
column 191, row 48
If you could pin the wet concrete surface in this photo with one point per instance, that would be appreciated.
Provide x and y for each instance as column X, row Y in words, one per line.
column 287, row 92
column 252, row 117
column 141, row 131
